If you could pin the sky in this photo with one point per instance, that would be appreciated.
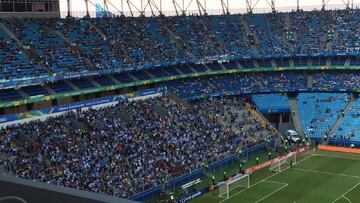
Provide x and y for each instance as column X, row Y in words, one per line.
column 213, row 6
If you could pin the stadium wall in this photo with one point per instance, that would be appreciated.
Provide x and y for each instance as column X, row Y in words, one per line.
column 29, row 191
column 339, row 149
column 343, row 143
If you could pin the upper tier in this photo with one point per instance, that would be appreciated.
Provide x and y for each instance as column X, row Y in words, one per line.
column 53, row 47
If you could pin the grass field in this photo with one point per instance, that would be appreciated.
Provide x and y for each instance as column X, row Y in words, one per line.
column 320, row 177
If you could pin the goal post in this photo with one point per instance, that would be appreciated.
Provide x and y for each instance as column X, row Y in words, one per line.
column 283, row 162
column 238, row 181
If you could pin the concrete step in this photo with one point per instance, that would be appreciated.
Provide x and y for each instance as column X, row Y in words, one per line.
column 295, row 116
column 341, row 117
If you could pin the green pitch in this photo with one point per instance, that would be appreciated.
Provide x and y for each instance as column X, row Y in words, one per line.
column 320, row 177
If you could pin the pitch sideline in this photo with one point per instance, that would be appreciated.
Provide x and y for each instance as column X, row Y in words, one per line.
column 265, row 179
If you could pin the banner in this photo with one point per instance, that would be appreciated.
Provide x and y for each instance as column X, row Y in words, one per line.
column 14, row 83
column 78, row 105
column 268, row 163
column 339, row 149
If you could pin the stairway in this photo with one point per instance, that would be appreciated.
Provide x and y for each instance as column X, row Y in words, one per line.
column 177, row 99
column 51, row 91
column 114, row 79
column 216, row 42
column 22, row 93
column 295, row 115
column 181, row 44
column 248, row 32
column 310, row 81
column 347, row 62
column 96, row 29
column 76, row 49
column 94, row 83
column 72, row 85
column 178, row 41
column 148, row 73
column 339, row 121
column 30, row 53
column 257, row 114
column 329, row 43
column 288, row 25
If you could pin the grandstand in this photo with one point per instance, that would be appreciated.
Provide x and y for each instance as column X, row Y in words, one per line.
column 267, row 103
column 118, row 108
column 320, row 111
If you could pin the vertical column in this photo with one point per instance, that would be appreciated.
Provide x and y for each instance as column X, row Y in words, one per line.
column 69, row 8
column 87, row 8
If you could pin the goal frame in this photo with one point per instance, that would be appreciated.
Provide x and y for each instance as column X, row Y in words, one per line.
column 276, row 166
column 226, row 185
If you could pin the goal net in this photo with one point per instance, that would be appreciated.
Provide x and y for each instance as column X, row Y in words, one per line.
column 238, row 181
column 283, row 162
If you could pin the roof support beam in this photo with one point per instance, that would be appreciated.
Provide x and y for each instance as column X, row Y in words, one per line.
column 181, row 7
column 139, row 8
column 272, row 5
column 349, row 4
column 298, row 5
column 155, row 7
column 69, row 8
column 201, row 7
column 108, row 2
column 323, row 4
column 250, row 5
column 87, row 8
column 225, row 6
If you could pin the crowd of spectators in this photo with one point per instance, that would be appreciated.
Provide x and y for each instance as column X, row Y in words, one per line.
column 191, row 88
column 129, row 147
column 337, row 80
column 73, row 45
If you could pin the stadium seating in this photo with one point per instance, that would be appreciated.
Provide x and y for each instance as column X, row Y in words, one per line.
column 60, row 87
column 9, row 95
column 242, row 82
column 231, row 42
column 337, row 80
column 67, row 46
column 350, row 126
column 105, row 150
column 271, row 102
column 35, row 90
column 14, row 62
column 42, row 38
column 320, row 111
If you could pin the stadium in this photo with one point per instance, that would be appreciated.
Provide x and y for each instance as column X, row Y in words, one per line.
column 174, row 101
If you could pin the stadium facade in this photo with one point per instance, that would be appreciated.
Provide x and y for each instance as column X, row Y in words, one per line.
column 30, row 8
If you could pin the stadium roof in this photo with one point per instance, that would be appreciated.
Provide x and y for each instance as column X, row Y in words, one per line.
column 178, row 7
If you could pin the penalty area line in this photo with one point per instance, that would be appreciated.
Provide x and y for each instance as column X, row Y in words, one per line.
column 273, row 192
column 263, row 180
column 343, row 195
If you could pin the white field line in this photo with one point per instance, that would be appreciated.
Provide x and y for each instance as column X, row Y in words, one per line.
column 343, row 195
column 328, row 173
column 275, row 191
column 264, row 180
column 275, row 182
column 347, row 199
column 337, row 157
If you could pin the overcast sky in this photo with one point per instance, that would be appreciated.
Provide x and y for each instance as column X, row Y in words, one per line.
column 237, row 5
